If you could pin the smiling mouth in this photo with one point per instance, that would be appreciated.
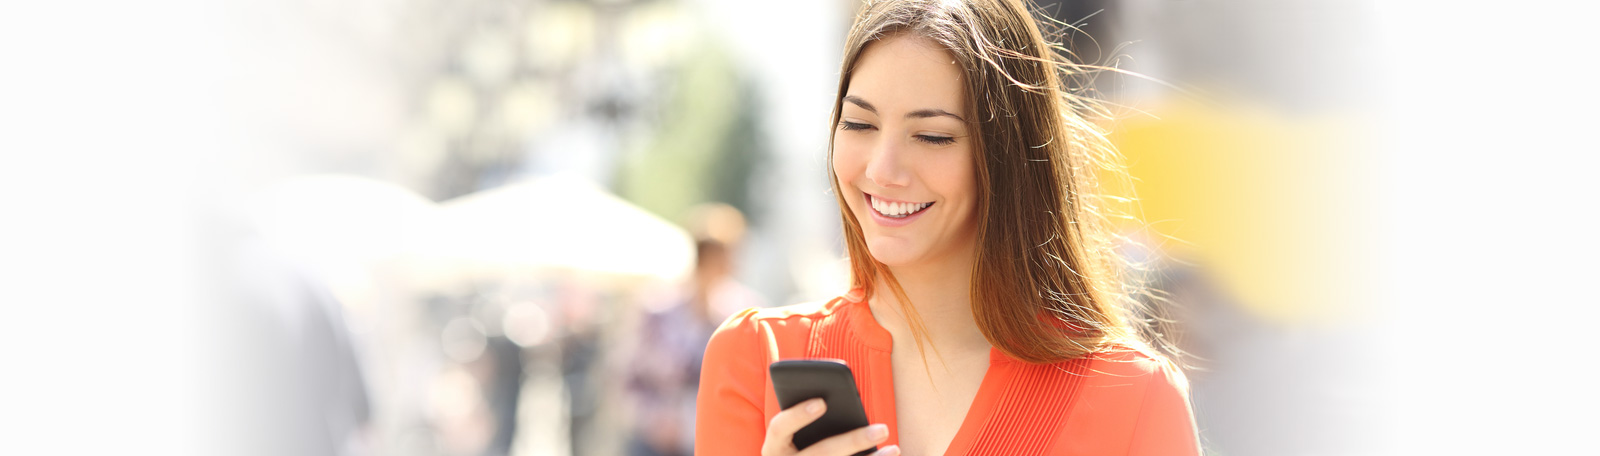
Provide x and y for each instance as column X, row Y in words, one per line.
column 896, row 210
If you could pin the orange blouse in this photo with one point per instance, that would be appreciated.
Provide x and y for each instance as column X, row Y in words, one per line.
column 1111, row 402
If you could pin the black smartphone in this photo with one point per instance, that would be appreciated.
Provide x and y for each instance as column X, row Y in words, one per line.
column 797, row 380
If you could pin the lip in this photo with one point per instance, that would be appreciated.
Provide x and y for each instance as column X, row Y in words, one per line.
column 881, row 220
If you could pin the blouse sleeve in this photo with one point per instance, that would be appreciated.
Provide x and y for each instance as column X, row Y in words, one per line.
column 1166, row 424
column 729, row 419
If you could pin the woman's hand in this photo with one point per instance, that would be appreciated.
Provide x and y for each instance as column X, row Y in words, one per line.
column 780, row 434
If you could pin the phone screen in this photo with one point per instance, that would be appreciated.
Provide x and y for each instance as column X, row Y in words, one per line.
column 797, row 380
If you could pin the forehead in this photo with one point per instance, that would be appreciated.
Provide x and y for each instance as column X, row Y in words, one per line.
column 907, row 72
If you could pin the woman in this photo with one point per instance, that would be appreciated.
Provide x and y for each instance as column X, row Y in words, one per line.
column 987, row 314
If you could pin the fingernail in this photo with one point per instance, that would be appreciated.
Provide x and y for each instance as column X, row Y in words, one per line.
column 814, row 406
column 878, row 432
column 891, row 450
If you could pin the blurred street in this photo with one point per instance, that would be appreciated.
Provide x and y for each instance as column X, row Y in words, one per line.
column 508, row 227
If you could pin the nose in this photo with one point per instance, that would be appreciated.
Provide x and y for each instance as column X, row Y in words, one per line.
column 885, row 165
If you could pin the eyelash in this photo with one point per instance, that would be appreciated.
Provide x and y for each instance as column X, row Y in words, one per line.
column 852, row 126
column 933, row 140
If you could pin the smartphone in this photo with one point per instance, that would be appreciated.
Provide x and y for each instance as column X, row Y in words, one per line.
column 797, row 380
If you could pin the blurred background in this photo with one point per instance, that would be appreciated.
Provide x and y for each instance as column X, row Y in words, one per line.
column 507, row 227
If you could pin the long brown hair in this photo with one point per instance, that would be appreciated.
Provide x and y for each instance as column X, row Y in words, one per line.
column 1047, row 284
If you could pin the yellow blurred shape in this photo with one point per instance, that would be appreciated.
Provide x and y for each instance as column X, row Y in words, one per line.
column 1264, row 203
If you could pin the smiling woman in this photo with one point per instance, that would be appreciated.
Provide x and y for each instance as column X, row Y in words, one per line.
column 901, row 157
column 965, row 175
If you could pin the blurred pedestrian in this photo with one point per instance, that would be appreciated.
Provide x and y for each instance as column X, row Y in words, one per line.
column 665, row 371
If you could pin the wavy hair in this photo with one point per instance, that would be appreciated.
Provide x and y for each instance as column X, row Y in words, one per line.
column 1047, row 283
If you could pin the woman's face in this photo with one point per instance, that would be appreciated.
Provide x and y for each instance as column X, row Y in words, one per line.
column 903, row 153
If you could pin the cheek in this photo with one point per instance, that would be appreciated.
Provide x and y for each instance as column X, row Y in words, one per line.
column 848, row 161
column 850, row 165
column 958, row 179
column 961, row 183
column 844, row 172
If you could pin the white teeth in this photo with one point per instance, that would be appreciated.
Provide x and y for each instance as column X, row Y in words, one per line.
column 897, row 210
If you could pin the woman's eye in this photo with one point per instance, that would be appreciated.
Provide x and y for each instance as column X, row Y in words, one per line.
column 849, row 126
column 936, row 140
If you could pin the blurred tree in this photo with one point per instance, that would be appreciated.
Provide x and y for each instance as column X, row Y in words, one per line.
column 707, row 141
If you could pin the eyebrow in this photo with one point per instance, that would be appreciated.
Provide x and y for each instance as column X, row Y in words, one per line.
column 918, row 114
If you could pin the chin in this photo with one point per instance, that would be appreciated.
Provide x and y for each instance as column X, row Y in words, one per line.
column 891, row 252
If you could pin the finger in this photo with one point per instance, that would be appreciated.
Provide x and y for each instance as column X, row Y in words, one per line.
column 850, row 442
column 780, row 431
column 891, row 450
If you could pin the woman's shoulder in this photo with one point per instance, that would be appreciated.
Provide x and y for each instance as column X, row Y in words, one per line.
column 1123, row 361
column 1124, row 373
column 1135, row 400
column 774, row 327
column 782, row 319
column 1116, row 372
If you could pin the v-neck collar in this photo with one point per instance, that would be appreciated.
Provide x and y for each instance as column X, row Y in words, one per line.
column 983, row 406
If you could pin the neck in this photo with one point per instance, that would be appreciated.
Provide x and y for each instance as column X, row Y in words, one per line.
column 941, row 293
